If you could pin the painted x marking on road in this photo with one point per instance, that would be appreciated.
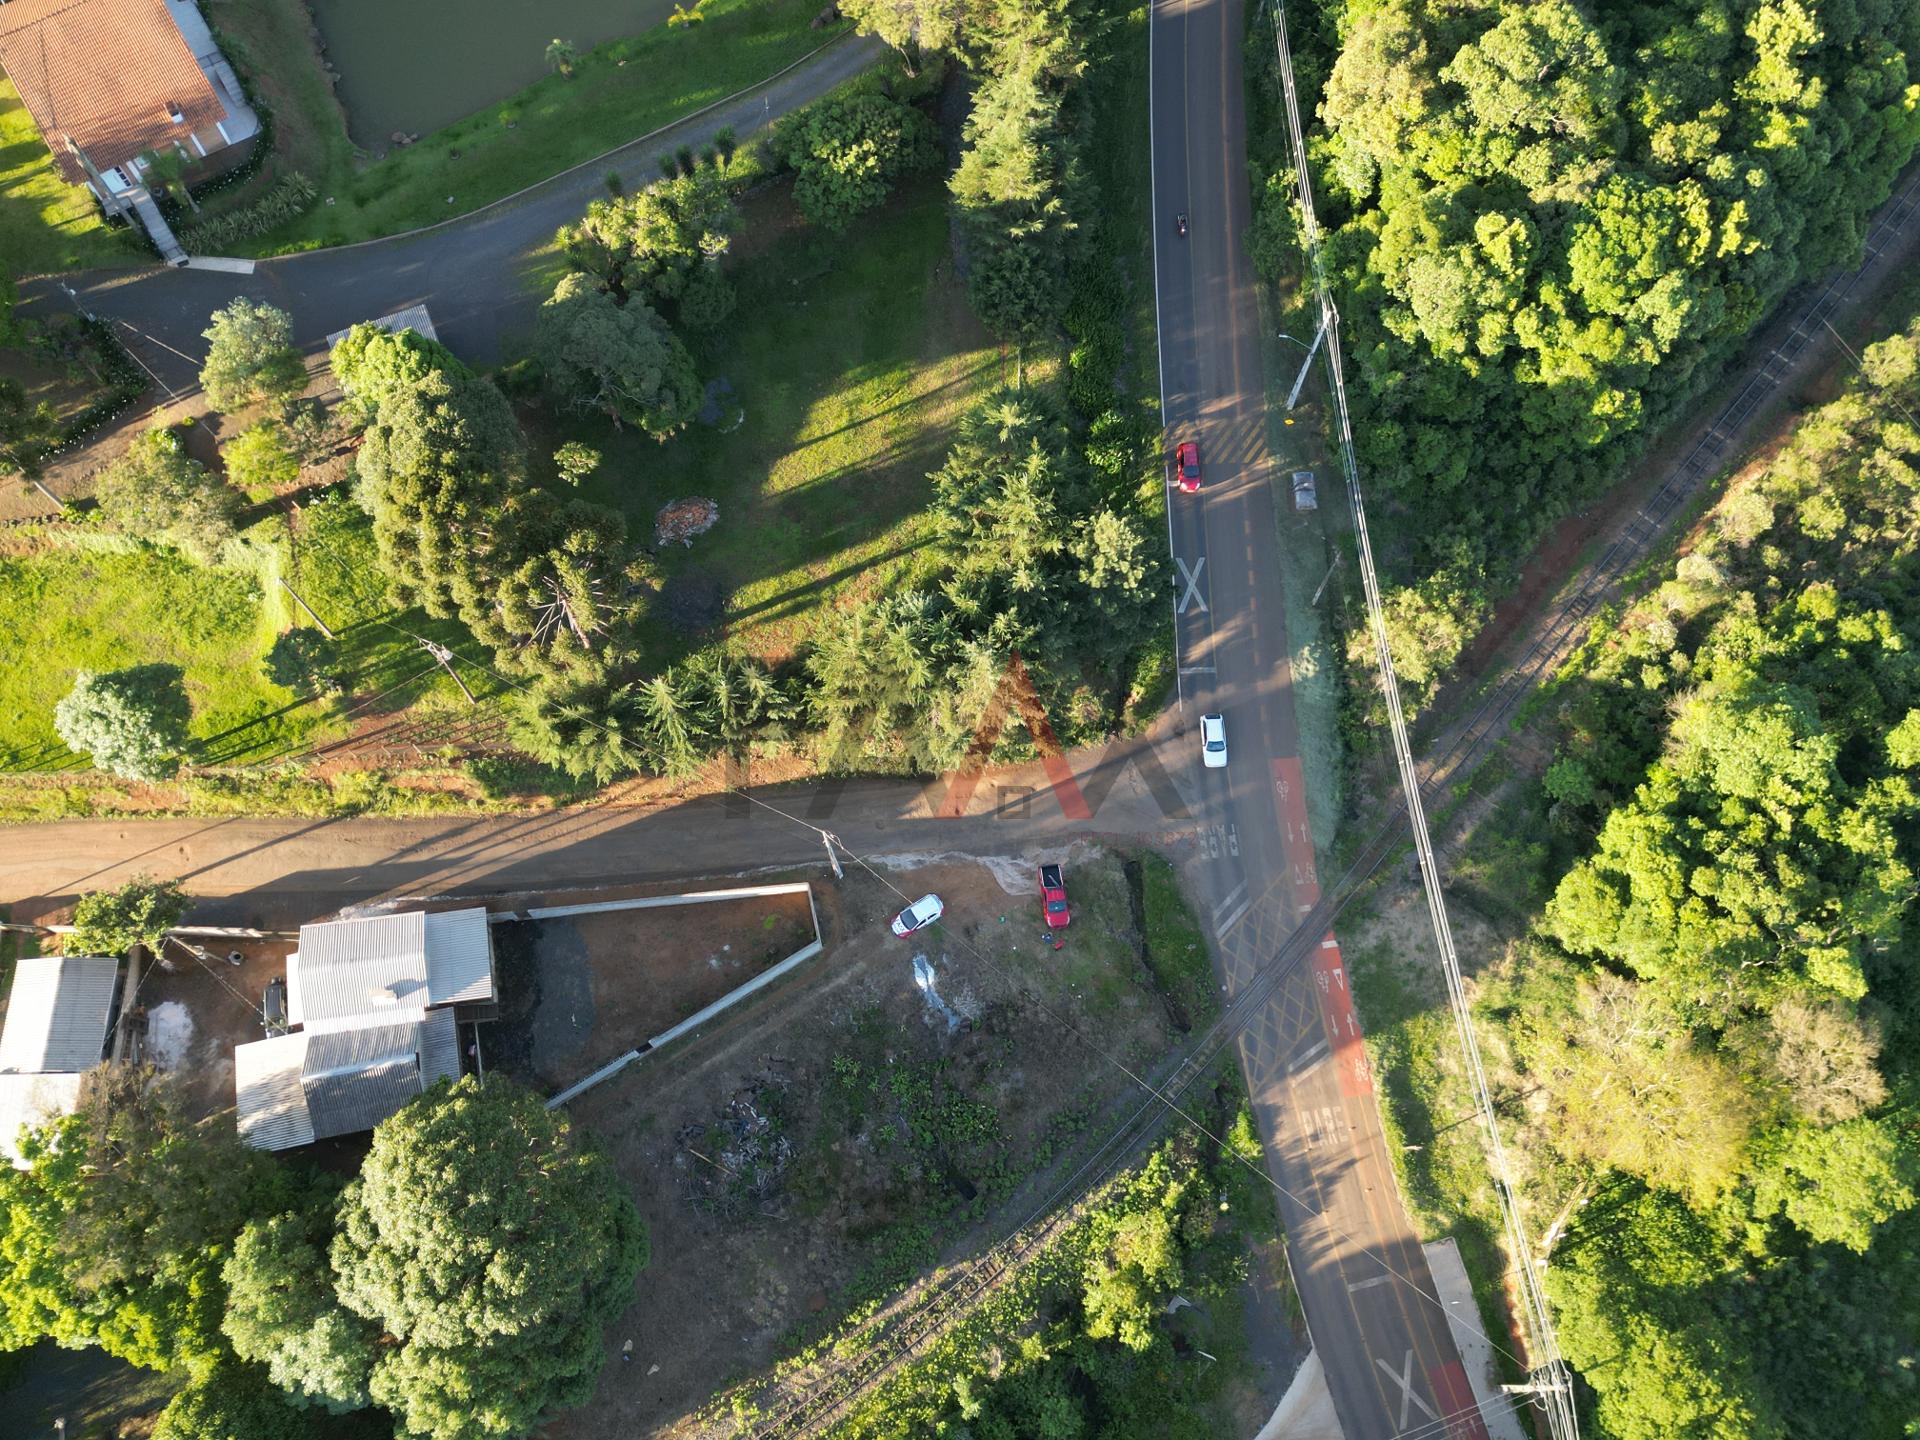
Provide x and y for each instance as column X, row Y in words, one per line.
column 1191, row 595
column 1404, row 1379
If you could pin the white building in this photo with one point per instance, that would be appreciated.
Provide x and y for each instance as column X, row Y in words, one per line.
column 56, row 1031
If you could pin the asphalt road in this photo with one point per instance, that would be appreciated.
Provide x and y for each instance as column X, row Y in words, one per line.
column 468, row 272
column 1380, row 1329
column 278, row 872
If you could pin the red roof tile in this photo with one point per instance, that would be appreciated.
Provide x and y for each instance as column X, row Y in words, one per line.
column 106, row 73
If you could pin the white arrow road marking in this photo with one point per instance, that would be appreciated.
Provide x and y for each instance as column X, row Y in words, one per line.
column 1405, row 1381
column 1191, row 595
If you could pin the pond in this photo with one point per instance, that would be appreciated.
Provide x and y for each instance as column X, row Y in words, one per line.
column 416, row 65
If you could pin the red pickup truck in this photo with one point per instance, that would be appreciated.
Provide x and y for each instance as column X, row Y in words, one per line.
column 1053, row 898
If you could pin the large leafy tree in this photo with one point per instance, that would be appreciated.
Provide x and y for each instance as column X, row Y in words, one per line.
column 916, row 28
column 131, row 723
column 140, row 912
column 491, row 1243
column 442, row 454
column 158, row 491
column 282, row 1312
column 848, row 151
column 559, row 604
column 622, row 360
column 251, row 357
column 230, row 1402
column 662, row 245
column 116, row 1232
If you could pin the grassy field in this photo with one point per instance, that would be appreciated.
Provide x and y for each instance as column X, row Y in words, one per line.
column 105, row 608
column 617, row 92
column 65, row 610
column 852, row 357
column 45, row 223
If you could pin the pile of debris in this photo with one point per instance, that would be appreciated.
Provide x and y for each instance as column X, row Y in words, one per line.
column 681, row 520
column 732, row 1166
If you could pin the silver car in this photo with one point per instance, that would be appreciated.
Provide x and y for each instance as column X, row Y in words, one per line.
column 1304, row 495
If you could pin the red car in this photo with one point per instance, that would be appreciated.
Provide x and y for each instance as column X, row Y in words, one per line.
column 1053, row 898
column 1186, row 466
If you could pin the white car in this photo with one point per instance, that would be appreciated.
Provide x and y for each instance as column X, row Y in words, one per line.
column 1213, row 741
column 917, row 916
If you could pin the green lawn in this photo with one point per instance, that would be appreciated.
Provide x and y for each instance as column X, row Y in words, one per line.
column 65, row 610
column 618, row 92
column 45, row 223
column 852, row 357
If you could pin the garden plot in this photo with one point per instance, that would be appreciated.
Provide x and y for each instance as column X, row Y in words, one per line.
column 837, row 1135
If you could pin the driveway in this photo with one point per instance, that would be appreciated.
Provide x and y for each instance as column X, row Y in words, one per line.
column 469, row 272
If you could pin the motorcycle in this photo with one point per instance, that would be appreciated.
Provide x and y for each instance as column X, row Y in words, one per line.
column 1180, row 222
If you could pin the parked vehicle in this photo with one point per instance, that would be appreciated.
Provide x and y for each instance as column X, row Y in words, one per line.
column 917, row 916
column 273, row 1007
column 1304, row 495
column 1186, row 466
column 1053, row 898
column 1213, row 741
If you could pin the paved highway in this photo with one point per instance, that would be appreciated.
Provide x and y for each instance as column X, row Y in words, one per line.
column 1369, row 1298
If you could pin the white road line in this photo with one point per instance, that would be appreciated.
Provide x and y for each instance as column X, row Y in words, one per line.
column 1359, row 1285
column 1310, row 1059
column 1232, row 920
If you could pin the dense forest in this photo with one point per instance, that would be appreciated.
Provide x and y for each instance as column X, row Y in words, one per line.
column 1713, row 1019
column 1551, row 223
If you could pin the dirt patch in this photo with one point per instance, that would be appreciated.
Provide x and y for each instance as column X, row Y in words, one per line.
column 190, row 1012
column 837, row 1135
column 580, row 990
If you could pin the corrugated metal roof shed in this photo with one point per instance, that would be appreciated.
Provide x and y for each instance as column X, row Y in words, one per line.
column 270, row 1101
column 459, row 957
column 439, row 1048
column 353, row 972
column 57, row 1013
column 387, row 969
column 33, row 1100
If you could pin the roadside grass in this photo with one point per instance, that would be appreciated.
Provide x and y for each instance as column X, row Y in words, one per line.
column 852, row 357
column 45, row 223
column 618, row 92
column 1431, row 1129
column 1176, row 950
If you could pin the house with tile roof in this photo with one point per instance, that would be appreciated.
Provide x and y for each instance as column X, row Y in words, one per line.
column 108, row 81
column 58, row 1013
column 377, row 1002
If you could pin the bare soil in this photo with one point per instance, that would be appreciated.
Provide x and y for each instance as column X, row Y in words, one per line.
column 834, row 1135
column 578, row 991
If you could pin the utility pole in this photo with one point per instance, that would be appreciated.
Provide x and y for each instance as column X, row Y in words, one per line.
column 325, row 629
column 1323, row 584
column 445, row 657
column 833, row 859
column 1293, row 395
